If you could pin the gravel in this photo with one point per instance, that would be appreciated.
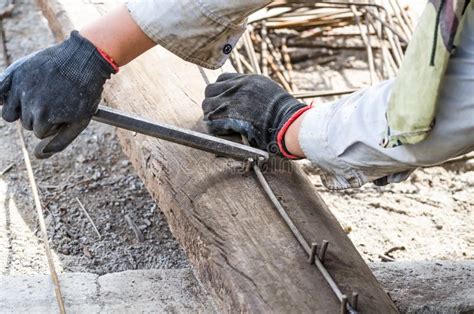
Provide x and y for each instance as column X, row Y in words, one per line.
column 94, row 171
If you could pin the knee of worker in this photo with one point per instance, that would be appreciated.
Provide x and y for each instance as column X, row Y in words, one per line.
column 452, row 134
column 453, row 130
column 437, row 150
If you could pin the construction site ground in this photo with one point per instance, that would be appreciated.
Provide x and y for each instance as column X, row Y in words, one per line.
column 424, row 225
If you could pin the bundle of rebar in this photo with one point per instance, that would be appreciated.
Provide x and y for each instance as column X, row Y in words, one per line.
column 290, row 32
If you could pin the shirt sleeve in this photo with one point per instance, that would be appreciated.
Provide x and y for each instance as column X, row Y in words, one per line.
column 203, row 32
column 343, row 137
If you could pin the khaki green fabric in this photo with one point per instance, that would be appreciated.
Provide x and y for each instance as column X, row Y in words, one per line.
column 412, row 106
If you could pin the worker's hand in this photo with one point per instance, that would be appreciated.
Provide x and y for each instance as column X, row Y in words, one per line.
column 55, row 92
column 252, row 105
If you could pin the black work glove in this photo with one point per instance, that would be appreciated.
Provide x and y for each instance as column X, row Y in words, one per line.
column 55, row 92
column 252, row 105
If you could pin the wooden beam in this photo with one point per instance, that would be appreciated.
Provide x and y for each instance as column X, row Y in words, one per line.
column 240, row 248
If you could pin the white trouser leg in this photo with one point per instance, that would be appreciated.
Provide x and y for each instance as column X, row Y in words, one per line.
column 343, row 137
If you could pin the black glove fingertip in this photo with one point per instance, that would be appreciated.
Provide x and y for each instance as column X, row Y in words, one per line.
column 209, row 91
column 11, row 110
column 57, row 143
column 42, row 151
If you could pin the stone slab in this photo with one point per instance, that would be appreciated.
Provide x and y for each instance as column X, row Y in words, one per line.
column 416, row 287
column 143, row 291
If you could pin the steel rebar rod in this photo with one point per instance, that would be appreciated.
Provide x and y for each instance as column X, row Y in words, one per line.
column 317, row 94
column 297, row 234
column 251, row 53
column 264, row 47
column 366, row 41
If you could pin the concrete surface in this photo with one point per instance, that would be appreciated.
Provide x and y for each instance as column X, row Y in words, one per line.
column 429, row 287
column 150, row 291
column 416, row 287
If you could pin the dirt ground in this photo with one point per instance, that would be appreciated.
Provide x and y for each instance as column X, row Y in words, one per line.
column 427, row 218
column 92, row 171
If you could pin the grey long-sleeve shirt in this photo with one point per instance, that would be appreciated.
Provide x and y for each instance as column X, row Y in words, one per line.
column 203, row 32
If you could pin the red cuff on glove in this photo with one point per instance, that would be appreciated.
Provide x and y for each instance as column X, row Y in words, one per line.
column 286, row 126
column 109, row 59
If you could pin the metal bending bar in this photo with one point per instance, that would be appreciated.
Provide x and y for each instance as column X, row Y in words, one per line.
column 178, row 135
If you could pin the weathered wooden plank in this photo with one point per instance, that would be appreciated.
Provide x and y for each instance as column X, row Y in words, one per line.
column 240, row 248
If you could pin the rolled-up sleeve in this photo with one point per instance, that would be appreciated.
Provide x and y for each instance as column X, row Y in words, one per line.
column 203, row 32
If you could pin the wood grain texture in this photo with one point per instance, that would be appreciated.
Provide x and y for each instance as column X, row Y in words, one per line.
column 240, row 248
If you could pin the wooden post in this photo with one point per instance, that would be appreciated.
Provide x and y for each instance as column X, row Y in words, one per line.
column 239, row 247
